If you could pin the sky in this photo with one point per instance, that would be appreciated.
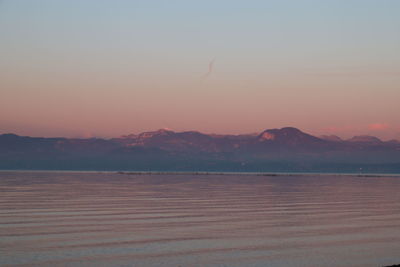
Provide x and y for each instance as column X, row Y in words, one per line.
column 95, row 68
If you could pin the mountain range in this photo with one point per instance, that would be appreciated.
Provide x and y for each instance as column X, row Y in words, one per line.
column 274, row 150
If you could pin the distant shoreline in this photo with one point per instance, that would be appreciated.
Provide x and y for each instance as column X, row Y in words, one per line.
column 255, row 173
column 220, row 173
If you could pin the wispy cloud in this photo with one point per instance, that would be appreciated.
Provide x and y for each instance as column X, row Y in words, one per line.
column 378, row 126
column 210, row 69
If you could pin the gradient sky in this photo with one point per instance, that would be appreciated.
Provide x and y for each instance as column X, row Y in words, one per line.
column 108, row 68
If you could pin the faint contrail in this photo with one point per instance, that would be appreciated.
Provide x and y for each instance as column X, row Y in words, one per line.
column 210, row 69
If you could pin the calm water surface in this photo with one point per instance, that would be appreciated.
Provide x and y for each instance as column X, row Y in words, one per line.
column 108, row 219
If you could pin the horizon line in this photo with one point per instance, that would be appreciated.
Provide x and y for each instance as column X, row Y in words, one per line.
column 183, row 131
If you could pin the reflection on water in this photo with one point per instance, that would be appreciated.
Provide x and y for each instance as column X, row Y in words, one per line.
column 108, row 219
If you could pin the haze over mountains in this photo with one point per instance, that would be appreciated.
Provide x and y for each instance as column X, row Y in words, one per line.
column 274, row 150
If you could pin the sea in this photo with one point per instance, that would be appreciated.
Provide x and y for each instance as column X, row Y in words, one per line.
column 60, row 218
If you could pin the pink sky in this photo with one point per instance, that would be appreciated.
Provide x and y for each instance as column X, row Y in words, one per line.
column 82, row 102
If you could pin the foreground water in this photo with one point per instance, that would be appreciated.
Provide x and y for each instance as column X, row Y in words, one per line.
column 108, row 219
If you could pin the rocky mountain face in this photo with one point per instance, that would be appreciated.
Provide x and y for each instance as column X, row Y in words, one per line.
column 286, row 149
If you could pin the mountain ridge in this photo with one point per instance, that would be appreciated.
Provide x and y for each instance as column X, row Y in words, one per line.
column 165, row 131
column 286, row 149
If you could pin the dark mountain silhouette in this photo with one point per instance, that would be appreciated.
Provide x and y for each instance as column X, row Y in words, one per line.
column 286, row 149
column 331, row 138
column 365, row 139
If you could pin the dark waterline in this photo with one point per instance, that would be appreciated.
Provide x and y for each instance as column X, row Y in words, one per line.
column 235, row 173
column 131, row 219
